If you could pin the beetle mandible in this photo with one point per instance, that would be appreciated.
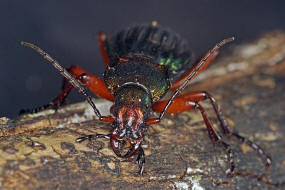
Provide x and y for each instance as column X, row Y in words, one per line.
column 143, row 63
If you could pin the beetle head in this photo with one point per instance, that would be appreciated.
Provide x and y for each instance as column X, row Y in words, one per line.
column 128, row 130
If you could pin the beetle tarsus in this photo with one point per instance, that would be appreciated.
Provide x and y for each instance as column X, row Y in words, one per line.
column 266, row 158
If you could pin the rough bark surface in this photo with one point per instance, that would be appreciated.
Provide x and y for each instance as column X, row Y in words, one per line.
column 38, row 151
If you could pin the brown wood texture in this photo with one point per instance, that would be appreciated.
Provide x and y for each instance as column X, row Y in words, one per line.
column 38, row 151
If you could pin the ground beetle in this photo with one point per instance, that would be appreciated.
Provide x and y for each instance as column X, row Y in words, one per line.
column 143, row 63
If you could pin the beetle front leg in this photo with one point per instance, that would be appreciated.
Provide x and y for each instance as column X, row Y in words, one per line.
column 141, row 160
column 89, row 137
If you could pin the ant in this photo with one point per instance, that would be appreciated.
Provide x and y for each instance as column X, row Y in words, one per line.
column 143, row 63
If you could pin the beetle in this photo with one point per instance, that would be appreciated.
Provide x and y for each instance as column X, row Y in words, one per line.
column 143, row 63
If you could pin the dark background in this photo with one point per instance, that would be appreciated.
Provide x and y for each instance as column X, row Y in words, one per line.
column 67, row 30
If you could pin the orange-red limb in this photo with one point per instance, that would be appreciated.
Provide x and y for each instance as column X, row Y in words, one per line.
column 108, row 119
column 101, row 38
column 152, row 121
column 179, row 82
column 94, row 84
column 190, row 101
column 180, row 104
column 185, row 102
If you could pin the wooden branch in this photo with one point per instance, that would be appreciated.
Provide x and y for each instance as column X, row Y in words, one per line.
column 38, row 151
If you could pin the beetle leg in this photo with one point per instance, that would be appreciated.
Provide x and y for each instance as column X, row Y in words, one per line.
column 266, row 158
column 216, row 138
column 203, row 95
column 72, row 80
column 141, row 160
column 93, row 83
column 183, row 103
column 101, row 39
column 74, row 73
column 89, row 137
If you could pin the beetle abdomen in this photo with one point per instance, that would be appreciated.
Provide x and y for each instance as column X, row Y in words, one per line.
column 162, row 44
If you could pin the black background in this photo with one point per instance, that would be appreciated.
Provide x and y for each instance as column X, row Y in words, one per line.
column 67, row 30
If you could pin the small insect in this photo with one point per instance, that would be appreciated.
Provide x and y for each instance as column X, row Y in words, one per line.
column 143, row 63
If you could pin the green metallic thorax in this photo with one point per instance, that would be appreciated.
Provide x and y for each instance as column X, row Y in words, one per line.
column 140, row 71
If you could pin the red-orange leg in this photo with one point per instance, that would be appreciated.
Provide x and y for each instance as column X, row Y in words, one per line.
column 81, row 75
column 180, row 81
column 203, row 95
column 101, row 38
column 93, row 83
column 189, row 101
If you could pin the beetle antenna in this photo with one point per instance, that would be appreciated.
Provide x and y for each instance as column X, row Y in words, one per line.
column 200, row 64
column 75, row 83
